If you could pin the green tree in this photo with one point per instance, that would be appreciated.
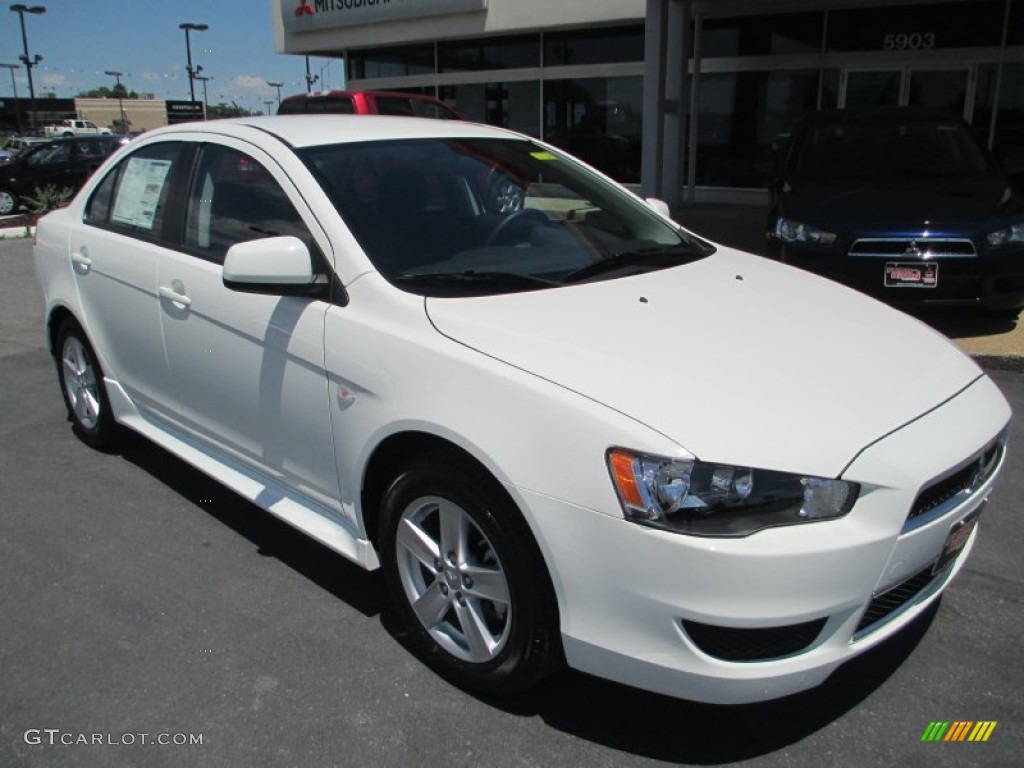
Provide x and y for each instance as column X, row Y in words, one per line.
column 106, row 92
column 217, row 111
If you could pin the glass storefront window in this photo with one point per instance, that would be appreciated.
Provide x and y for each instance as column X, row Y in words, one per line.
column 1009, row 134
column 744, row 118
column 917, row 27
column 598, row 119
column 391, row 62
column 602, row 46
column 493, row 53
column 783, row 33
column 510, row 105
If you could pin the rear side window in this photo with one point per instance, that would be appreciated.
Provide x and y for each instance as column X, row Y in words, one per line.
column 392, row 105
column 334, row 105
column 234, row 199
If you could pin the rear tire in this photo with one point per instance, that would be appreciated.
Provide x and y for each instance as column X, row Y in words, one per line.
column 81, row 383
column 8, row 202
column 467, row 578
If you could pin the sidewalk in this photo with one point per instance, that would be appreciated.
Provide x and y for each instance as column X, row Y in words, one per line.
column 993, row 340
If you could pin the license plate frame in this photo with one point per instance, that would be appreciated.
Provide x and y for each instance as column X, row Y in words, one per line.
column 911, row 274
column 959, row 533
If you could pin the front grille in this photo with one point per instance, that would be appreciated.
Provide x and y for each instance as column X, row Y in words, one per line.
column 883, row 606
column 958, row 485
column 759, row 644
column 913, row 248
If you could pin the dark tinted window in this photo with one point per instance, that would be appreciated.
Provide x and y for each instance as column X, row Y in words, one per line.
column 97, row 210
column 917, row 27
column 607, row 46
column 234, row 199
column 392, row 62
column 783, row 33
column 493, row 53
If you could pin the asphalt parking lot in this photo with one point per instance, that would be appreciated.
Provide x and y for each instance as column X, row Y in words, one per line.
column 142, row 598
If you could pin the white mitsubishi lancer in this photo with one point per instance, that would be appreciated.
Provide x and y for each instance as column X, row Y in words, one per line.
column 568, row 430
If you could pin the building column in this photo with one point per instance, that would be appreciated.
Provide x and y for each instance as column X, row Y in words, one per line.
column 666, row 103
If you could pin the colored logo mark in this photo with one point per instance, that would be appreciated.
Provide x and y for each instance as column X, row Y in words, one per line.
column 303, row 9
column 959, row 730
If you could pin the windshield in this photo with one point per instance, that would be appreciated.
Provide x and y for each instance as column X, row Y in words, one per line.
column 910, row 147
column 455, row 217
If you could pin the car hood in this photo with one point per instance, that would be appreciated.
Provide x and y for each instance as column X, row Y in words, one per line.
column 735, row 358
column 871, row 202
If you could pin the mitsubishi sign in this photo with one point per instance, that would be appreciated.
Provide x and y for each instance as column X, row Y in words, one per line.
column 308, row 15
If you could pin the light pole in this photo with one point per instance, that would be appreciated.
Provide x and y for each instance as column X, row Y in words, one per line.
column 204, row 79
column 310, row 78
column 29, row 61
column 278, row 86
column 120, row 102
column 189, row 27
column 14, row 86
column 269, row 103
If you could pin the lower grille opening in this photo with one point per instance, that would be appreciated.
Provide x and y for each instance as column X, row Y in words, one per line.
column 893, row 599
column 757, row 644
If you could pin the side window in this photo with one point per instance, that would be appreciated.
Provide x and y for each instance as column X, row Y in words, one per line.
column 338, row 105
column 234, row 199
column 52, row 154
column 140, row 201
column 97, row 210
column 389, row 105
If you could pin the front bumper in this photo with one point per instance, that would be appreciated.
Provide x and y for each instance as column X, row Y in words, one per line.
column 628, row 594
column 993, row 281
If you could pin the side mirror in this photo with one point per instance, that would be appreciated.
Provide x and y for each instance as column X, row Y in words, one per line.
column 275, row 265
column 659, row 206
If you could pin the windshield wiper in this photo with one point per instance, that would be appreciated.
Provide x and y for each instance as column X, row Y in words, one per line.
column 474, row 276
column 659, row 256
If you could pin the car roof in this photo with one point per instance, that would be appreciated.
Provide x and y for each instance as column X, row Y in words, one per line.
column 316, row 130
column 343, row 93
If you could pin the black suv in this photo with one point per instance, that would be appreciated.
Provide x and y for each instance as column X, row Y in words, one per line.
column 65, row 163
column 902, row 204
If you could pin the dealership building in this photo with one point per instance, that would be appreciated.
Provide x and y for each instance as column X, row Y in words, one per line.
column 687, row 98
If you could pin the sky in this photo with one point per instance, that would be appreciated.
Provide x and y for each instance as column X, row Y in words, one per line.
column 79, row 40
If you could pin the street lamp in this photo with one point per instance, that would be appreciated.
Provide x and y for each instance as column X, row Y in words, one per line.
column 188, row 27
column 310, row 78
column 278, row 86
column 14, row 86
column 204, row 79
column 269, row 103
column 120, row 102
column 29, row 61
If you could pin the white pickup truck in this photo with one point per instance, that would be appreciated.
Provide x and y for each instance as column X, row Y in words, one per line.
column 75, row 128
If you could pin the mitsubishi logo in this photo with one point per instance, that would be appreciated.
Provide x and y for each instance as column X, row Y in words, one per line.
column 914, row 250
column 303, row 8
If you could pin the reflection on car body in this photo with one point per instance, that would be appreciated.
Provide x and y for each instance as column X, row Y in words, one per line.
column 568, row 432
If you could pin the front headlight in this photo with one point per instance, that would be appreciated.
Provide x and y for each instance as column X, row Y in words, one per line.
column 789, row 231
column 703, row 499
column 1012, row 234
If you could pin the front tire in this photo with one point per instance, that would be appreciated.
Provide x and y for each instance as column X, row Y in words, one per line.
column 467, row 577
column 81, row 383
column 8, row 202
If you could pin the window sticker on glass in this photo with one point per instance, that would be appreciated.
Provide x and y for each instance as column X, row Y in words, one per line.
column 137, row 199
column 543, row 156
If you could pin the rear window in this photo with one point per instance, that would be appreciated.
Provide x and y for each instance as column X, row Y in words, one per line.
column 331, row 105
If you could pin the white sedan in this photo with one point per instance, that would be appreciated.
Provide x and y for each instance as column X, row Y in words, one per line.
column 568, row 430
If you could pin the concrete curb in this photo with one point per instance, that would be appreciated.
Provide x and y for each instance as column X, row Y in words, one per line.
column 14, row 233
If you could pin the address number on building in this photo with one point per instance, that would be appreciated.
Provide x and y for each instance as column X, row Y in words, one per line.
column 908, row 41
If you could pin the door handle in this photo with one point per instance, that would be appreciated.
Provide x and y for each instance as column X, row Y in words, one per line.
column 175, row 293
column 81, row 258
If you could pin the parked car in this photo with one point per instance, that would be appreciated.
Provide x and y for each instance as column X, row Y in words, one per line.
column 902, row 204
column 571, row 432
column 367, row 103
column 18, row 144
column 68, row 128
column 64, row 163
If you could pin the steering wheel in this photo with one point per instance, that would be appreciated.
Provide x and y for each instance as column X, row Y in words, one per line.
column 513, row 220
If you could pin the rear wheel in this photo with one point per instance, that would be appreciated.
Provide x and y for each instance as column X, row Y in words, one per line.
column 81, row 382
column 467, row 578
